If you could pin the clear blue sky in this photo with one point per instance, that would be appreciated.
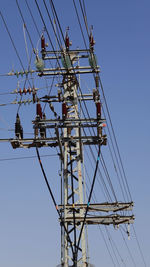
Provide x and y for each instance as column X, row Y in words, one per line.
column 29, row 229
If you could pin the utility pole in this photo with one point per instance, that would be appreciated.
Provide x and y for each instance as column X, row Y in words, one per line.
column 69, row 133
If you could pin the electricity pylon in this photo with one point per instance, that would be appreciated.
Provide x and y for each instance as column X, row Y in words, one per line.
column 70, row 135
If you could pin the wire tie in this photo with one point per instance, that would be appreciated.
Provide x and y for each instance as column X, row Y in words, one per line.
column 98, row 158
column 88, row 204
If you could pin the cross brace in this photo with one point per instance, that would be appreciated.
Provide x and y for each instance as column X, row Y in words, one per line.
column 106, row 220
column 102, row 207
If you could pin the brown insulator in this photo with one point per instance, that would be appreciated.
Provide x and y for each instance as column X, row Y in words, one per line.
column 24, row 90
column 94, row 94
column 42, row 42
column 67, row 42
column 34, row 95
column 39, row 110
column 98, row 110
column 29, row 90
column 64, row 110
column 97, row 82
column 20, row 91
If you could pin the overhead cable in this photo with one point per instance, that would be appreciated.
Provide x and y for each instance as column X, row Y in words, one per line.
column 53, row 198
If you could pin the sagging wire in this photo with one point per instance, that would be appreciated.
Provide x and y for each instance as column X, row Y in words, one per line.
column 53, row 199
column 89, row 198
column 125, row 178
column 128, row 248
column 93, row 73
column 118, row 154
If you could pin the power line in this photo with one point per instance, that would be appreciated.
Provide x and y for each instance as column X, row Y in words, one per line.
column 127, row 186
column 12, row 40
column 27, row 157
column 52, row 197
column 115, row 139
column 32, row 18
column 94, row 174
column 89, row 198
column 25, row 24
column 130, row 254
column 139, row 247
column 79, row 87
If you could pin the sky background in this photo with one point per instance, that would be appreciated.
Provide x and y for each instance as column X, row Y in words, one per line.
column 29, row 228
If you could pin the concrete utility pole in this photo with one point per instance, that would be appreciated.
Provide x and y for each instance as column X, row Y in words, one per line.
column 70, row 135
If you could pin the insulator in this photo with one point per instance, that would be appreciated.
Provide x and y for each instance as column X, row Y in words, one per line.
column 67, row 43
column 66, row 62
column 29, row 90
column 64, row 110
column 43, row 132
column 36, row 131
column 69, row 131
column 18, row 128
column 94, row 94
column 91, row 41
column 97, row 82
column 20, row 91
column 39, row 110
column 42, row 42
column 99, row 131
column 42, row 128
column 21, row 132
column 93, row 61
column 34, row 95
column 17, row 118
column 25, row 91
column 98, row 109
column 21, row 73
column 44, row 116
